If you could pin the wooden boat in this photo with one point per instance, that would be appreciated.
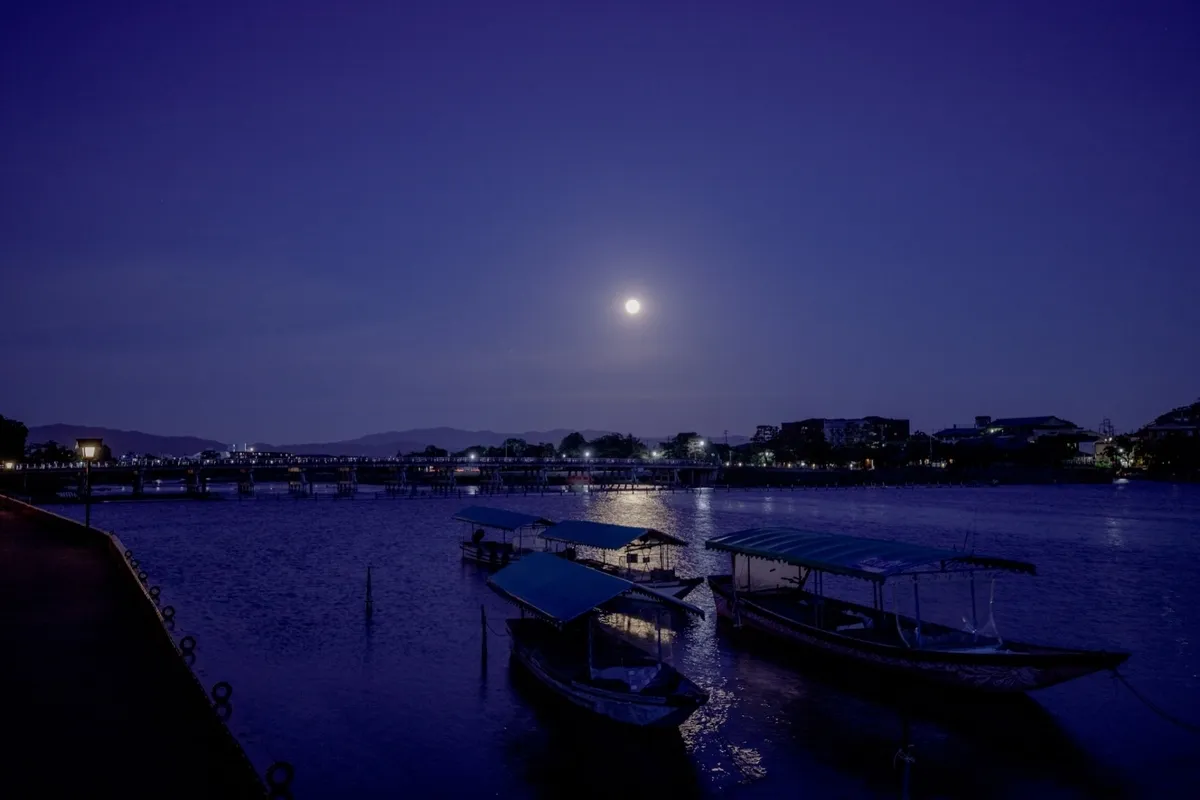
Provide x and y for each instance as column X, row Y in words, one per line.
column 517, row 532
column 794, row 608
column 643, row 555
column 560, row 642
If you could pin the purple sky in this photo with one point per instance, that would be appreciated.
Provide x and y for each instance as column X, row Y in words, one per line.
column 274, row 221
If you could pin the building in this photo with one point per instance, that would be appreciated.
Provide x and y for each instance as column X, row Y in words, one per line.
column 1178, row 423
column 1033, row 428
column 1169, row 430
column 958, row 433
column 840, row 432
column 878, row 431
column 1029, row 429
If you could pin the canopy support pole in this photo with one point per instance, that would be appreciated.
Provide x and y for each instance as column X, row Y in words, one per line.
column 737, row 612
column 917, row 601
column 896, row 615
column 589, row 637
column 974, row 615
column 658, row 626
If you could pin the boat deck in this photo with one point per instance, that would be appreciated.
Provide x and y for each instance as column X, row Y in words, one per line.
column 860, row 622
column 96, row 702
column 566, row 653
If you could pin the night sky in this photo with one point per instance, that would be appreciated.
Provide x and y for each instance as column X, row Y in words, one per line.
column 284, row 222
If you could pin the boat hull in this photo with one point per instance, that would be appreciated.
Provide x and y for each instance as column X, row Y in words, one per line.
column 1019, row 669
column 626, row 708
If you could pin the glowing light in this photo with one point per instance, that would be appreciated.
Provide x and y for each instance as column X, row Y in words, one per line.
column 9, row 465
column 587, row 453
column 471, row 456
column 632, row 306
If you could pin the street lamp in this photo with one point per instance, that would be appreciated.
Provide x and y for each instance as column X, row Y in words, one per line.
column 89, row 449
column 587, row 453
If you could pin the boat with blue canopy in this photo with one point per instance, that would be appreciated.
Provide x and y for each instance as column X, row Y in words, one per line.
column 561, row 642
column 643, row 555
column 516, row 533
column 760, row 593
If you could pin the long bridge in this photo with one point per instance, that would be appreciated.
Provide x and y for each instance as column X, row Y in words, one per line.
column 396, row 475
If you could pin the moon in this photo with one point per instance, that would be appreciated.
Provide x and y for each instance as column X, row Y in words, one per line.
column 632, row 306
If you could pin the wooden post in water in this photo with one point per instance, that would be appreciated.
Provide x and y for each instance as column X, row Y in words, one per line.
column 370, row 600
column 483, row 631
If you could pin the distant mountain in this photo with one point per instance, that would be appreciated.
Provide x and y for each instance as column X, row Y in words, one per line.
column 121, row 442
column 382, row 445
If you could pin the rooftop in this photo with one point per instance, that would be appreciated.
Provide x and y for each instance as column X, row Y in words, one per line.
column 560, row 590
column 605, row 536
column 858, row 557
column 499, row 518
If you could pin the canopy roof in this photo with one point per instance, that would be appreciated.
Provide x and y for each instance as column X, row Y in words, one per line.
column 605, row 536
column 561, row 590
column 873, row 559
column 498, row 518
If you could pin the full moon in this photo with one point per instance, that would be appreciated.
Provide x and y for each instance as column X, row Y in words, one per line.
column 632, row 306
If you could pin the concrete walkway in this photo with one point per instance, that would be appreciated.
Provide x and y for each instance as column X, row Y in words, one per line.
column 93, row 701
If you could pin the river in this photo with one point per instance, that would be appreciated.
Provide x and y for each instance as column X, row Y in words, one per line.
column 273, row 590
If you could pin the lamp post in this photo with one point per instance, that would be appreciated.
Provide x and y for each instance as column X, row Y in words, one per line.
column 89, row 449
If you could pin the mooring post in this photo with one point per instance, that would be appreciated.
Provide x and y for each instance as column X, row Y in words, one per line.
column 370, row 601
column 483, row 631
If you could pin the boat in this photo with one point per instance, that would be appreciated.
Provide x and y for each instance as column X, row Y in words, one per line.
column 516, row 531
column 761, row 595
column 643, row 555
column 561, row 643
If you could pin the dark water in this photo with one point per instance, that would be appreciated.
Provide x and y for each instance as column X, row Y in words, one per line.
column 273, row 591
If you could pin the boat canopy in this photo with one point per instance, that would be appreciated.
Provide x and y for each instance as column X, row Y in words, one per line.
column 605, row 536
column 499, row 518
column 561, row 591
column 873, row 559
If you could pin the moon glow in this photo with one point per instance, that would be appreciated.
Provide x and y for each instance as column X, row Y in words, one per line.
column 632, row 306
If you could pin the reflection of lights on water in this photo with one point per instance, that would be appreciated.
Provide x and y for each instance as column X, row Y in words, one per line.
column 640, row 628
column 1114, row 534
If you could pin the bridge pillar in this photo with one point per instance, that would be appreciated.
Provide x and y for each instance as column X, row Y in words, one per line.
column 495, row 481
column 196, row 482
column 298, row 484
column 447, row 478
column 139, row 481
column 246, row 482
column 397, row 481
column 347, row 481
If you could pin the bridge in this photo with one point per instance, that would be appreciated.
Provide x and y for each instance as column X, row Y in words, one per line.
column 396, row 475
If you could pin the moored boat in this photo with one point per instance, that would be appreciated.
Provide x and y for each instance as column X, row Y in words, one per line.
column 793, row 607
column 517, row 532
column 641, row 555
column 560, row 642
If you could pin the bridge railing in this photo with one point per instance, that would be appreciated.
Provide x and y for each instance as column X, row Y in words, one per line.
column 300, row 461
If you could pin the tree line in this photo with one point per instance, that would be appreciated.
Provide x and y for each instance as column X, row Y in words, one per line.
column 575, row 445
